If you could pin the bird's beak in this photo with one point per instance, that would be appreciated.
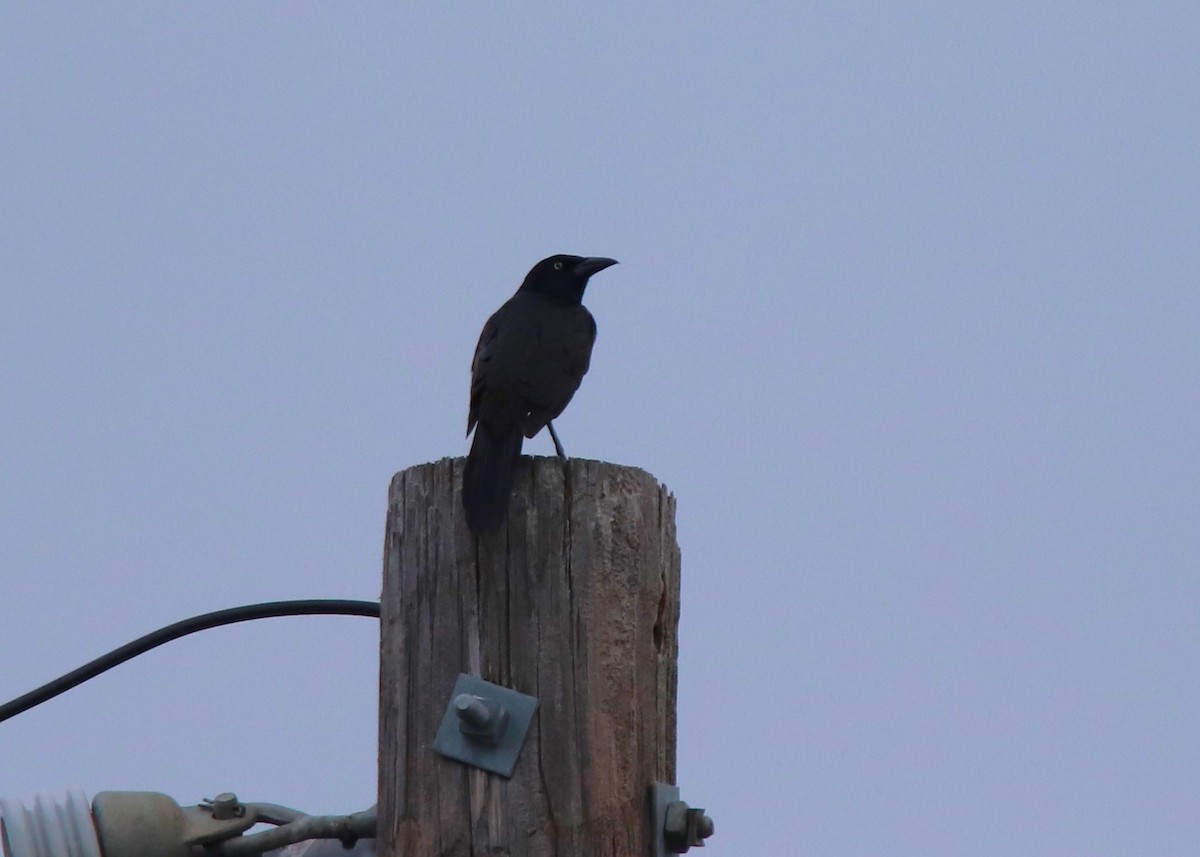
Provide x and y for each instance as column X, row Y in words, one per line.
column 592, row 265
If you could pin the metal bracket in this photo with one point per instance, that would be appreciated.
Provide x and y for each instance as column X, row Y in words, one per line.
column 677, row 826
column 135, row 824
column 485, row 725
column 152, row 823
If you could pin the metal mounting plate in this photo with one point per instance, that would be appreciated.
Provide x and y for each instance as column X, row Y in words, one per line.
column 500, row 754
column 661, row 796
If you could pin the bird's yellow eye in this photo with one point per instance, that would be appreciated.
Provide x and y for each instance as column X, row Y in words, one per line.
column 558, row 266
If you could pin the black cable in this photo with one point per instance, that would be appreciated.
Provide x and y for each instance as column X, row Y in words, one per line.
column 267, row 610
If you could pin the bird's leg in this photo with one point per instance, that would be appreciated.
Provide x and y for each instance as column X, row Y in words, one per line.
column 557, row 443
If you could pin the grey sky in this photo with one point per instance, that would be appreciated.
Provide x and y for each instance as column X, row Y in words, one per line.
column 906, row 317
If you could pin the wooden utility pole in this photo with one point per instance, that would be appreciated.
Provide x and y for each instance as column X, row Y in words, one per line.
column 575, row 601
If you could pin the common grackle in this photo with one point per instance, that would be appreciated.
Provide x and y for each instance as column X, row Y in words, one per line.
column 531, row 356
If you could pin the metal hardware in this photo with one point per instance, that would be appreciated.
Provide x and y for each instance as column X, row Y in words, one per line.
column 224, row 806
column 485, row 725
column 140, row 823
column 480, row 719
column 150, row 824
column 679, row 826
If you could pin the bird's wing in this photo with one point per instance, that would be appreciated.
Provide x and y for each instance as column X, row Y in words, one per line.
column 559, row 358
column 480, row 363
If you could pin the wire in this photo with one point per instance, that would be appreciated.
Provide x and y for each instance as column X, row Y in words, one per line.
column 266, row 610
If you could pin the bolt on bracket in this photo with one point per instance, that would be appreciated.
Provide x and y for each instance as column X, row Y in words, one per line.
column 485, row 725
column 677, row 826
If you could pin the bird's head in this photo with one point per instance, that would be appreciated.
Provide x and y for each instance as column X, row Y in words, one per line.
column 564, row 277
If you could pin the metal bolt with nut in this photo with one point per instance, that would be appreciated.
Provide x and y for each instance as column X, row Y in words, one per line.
column 685, row 827
column 485, row 725
column 679, row 826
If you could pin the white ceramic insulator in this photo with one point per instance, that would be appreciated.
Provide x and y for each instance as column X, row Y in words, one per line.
column 53, row 827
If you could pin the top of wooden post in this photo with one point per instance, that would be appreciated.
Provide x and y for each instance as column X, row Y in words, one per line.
column 573, row 600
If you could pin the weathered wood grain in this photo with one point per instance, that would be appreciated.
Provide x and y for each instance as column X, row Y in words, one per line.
column 575, row 601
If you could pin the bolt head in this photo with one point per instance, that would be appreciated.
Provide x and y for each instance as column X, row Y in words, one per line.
column 226, row 805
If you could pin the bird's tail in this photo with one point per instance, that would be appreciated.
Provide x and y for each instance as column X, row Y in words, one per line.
column 488, row 477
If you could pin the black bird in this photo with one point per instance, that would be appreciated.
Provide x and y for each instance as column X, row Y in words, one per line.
column 531, row 356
